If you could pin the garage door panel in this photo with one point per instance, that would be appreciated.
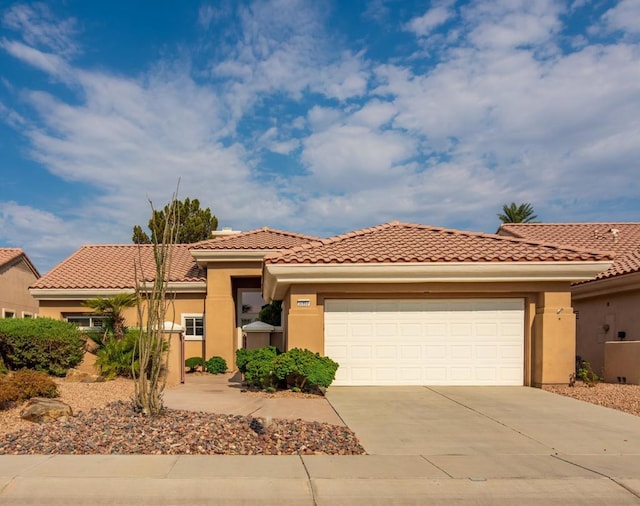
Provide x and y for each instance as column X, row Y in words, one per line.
column 443, row 342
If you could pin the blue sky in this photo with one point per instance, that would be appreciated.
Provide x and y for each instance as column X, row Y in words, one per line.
column 315, row 117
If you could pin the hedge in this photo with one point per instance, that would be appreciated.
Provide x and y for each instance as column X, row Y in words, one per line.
column 42, row 344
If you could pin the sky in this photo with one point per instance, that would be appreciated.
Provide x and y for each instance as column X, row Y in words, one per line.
column 313, row 117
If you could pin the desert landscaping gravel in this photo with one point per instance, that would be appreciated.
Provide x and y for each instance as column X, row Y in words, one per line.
column 103, row 427
column 621, row 397
column 105, row 423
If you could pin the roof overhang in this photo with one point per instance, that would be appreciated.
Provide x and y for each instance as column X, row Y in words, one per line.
column 606, row 286
column 205, row 256
column 278, row 277
column 91, row 293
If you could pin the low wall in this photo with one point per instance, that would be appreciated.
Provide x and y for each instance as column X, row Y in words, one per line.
column 622, row 362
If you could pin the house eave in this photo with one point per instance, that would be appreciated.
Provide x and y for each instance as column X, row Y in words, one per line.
column 606, row 286
column 278, row 277
column 90, row 293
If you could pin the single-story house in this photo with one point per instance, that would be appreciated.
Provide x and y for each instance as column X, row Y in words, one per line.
column 17, row 273
column 396, row 304
column 606, row 306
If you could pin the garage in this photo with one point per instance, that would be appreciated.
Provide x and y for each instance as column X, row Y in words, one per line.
column 426, row 341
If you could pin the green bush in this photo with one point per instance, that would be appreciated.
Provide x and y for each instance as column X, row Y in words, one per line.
column 259, row 367
column 216, row 365
column 587, row 375
column 304, row 370
column 25, row 384
column 193, row 363
column 42, row 344
column 117, row 357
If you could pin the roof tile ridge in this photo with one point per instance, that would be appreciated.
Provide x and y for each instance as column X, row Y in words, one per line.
column 289, row 234
column 557, row 246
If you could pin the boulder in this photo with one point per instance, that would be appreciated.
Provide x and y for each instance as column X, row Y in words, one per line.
column 40, row 409
column 78, row 376
column 90, row 346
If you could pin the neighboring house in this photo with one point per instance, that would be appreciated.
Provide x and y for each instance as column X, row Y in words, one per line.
column 17, row 273
column 396, row 304
column 608, row 306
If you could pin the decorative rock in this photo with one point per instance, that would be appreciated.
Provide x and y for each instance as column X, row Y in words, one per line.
column 40, row 409
column 75, row 375
column 90, row 346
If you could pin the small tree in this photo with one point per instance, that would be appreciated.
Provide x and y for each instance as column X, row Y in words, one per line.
column 513, row 213
column 112, row 309
column 152, row 347
column 195, row 224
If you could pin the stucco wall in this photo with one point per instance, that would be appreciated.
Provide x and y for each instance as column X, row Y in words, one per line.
column 549, row 331
column 221, row 330
column 618, row 312
column 15, row 280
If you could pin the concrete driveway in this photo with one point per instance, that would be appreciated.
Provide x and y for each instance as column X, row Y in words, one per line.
column 494, row 432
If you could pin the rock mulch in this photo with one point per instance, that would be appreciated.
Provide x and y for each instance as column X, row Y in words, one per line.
column 621, row 397
column 118, row 429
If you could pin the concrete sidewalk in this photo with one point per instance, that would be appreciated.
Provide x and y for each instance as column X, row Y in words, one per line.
column 314, row 480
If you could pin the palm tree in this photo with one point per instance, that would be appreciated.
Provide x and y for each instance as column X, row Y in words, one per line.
column 517, row 214
column 112, row 308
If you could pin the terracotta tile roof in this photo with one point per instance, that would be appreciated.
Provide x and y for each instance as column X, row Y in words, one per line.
column 625, row 243
column 9, row 254
column 112, row 266
column 403, row 242
column 262, row 238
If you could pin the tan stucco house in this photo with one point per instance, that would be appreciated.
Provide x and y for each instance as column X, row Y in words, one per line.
column 607, row 307
column 396, row 304
column 17, row 273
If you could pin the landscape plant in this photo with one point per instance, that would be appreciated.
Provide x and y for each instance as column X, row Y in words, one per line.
column 587, row 375
column 193, row 363
column 24, row 384
column 117, row 357
column 152, row 347
column 304, row 370
column 42, row 344
column 258, row 367
column 216, row 365
column 112, row 309
column 298, row 369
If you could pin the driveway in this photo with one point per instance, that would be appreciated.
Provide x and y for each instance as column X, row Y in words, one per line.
column 493, row 432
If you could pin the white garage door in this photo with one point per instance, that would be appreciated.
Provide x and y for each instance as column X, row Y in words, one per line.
column 426, row 342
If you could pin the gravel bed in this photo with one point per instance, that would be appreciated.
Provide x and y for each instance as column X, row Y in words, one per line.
column 105, row 423
column 611, row 395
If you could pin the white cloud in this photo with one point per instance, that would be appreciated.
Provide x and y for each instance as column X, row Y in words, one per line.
column 624, row 16
column 38, row 27
column 431, row 19
column 47, row 62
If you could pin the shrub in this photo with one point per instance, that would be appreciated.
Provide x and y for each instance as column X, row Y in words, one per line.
column 193, row 363
column 117, row 357
column 304, row 370
column 42, row 344
column 586, row 374
column 259, row 367
column 25, row 384
column 216, row 365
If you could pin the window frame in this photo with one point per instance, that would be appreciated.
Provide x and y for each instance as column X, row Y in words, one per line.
column 193, row 337
column 6, row 310
column 86, row 328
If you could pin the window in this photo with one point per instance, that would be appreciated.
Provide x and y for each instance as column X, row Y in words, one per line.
column 87, row 322
column 26, row 315
column 8, row 313
column 193, row 327
column 250, row 302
